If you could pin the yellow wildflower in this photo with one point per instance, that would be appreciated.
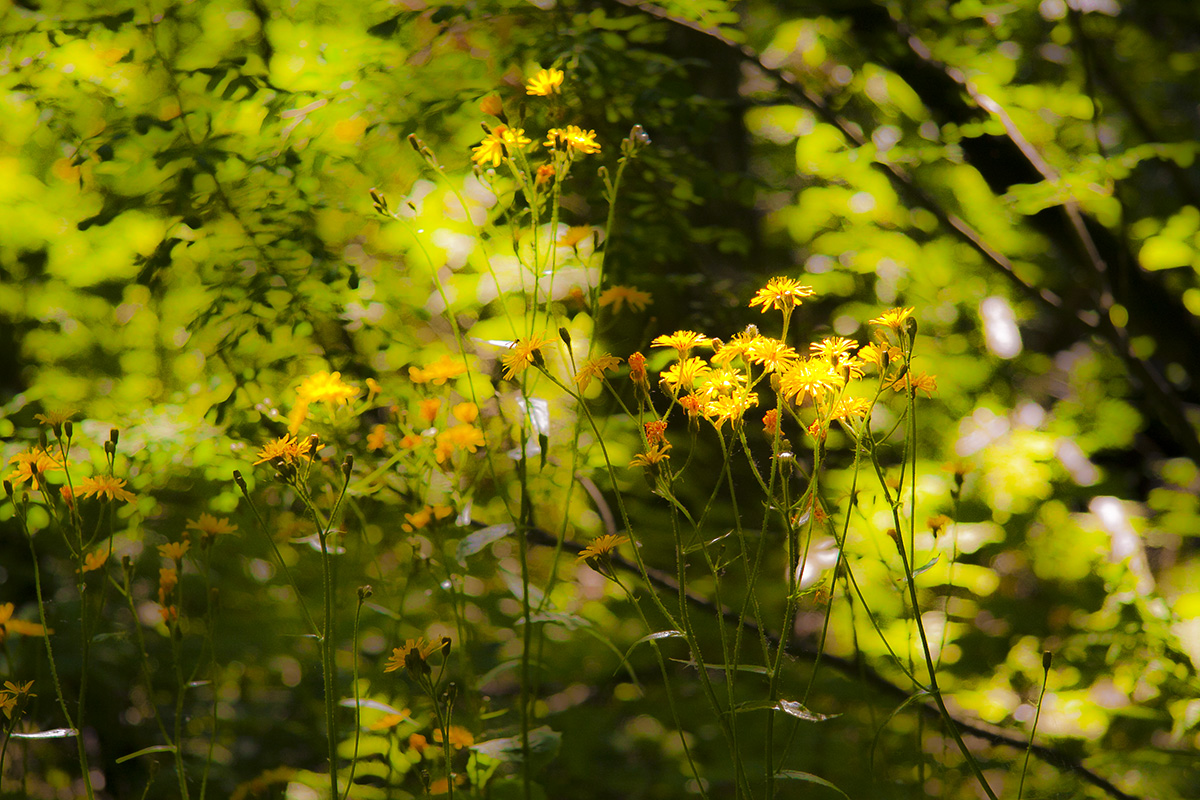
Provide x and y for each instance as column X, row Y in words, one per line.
column 95, row 560
column 620, row 296
column 438, row 372
column 682, row 341
column 498, row 144
column 919, row 382
column 326, row 387
column 55, row 418
column 655, row 454
column 105, row 486
column 545, row 82
column 595, row 368
column 574, row 138
column 458, row 737
column 772, row 354
column 168, row 579
column 424, row 649
column 377, row 437
column 729, row 408
column 544, row 173
column 466, row 412
column 460, row 437
column 429, row 409
column 9, row 625
column 492, row 106
column 174, row 550
column 524, row 352
column 31, row 466
column 893, row 318
column 849, row 407
column 284, row 447
column 781, row 293
column 723, row 381
column 736, row 347
column 683, row 373
column 575, row 234
column 656, row 431
column 811, row 377
column 637, row 370
column 210, row 527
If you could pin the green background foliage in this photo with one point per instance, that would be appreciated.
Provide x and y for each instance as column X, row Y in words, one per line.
column 186, row 232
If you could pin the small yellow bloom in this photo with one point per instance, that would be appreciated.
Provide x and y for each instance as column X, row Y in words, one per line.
column 105, row 486
column 285, row 447
column 737, row 347
column 424, row 649
column 729, row 408
column 55, row 418
column 576, row 234
column 499, row 143
column 438, row 372
column 209, row 526
column 574, row 138
column 655, row 454
column 545, row 82
column 919, row 382
column 811, row 377
column 772, row 354
column 595, row 368
column 174, row 550
column 492, row 106
column 466, row 412
column 460, row 437
column 893, row 318
column 168, row 579
column 682, row 341
column 781, row 293
column 326, row 387
column 458, row 737
column 9, row 625
column 377, row 437
column 601, row 546
column 620, row 296
column 31, row 466
column 429, row 409
column 95, row 560
column 683, row 373
column 524, row 352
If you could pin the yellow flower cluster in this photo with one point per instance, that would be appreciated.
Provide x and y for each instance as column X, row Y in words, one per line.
column 503, row 142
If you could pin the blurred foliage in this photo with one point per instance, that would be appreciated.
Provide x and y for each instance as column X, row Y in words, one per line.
column 188, row 233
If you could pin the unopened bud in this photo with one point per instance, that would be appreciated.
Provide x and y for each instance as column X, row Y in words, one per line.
column 114, row 435
column 1047, row 659
column 565, row 335
column 364, row 592
column 239, row 480
column 69, row 429
column 348, row 466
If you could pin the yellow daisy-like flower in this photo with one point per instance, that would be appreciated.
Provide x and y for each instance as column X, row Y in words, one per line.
column 682, row 341
column 576, row 234
column 620, row 296
column 31, row 466
column 737, row 347
column 460, row 437
column 284, row 447
column 498, row 144
column 919, row 382
column 105, row 486
column 655, row 454
column 377, row 437
column 424, row 649
column 95, row 560
column 174, row 551
column 599, row 551
column 9, row 625
column 893, row 318
column 209, row 527
column 326, row 387
column 781, row 293
column 683, row 373
column 574, row 138
column 850, row 407
column 458, row 736
column 546, row 82
column 595, row 368
column 55, row 418
column 772, row 354
column 466, row 412
column 729, row 408
column 524, row 352
column 812, row 377
column 440, row 371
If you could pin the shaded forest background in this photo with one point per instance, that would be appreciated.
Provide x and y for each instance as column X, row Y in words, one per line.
column 187, row 231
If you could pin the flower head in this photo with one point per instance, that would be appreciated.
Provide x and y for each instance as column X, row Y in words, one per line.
column 417, row 648
column 460, row 437
column 377, row 438
column 326, row 387
column 545, row 82
column 210, row 527
column 781, row 293
column 811, row 377
column 683, row 373
column 893, row 318
column 729, row 408
column 598, row 553
column 9, row 625
column 105, row 486
column 458, row 736
column 95, row 560
column 772, row 354
column 682, row 341
column 574, row 139
column 620, row 296
column 174, row 550
column 438, row 372
column 498, row 144
column 31, row 466
column 655, row 454
column 637, row 370
column 285, row 447
column 595, row 368
column 524, row 352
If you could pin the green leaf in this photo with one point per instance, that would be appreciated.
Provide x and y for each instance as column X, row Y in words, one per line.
column 544, row 744
column 808, row 777
column 790, row 707
column 478, row 540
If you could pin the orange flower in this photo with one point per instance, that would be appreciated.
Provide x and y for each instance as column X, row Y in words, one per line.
column 637, row 370
column 377, row 437
column 31, row 466
column 429, row 409
column 620, row 296
column 458, row 736
column 656, row 431
column 595, row 368
column 466, row 412
column 95, row 560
